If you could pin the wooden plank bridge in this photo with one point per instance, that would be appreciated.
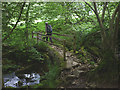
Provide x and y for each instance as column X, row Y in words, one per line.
column 39, row 37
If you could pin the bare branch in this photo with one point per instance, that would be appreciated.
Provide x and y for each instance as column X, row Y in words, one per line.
column 115, row 12
column 90, row 6
column 15, row 24
column 27, row 15
column 108, row 12
column 97, row 15
column 103, row 13
column 113, row 18
column 114, row 32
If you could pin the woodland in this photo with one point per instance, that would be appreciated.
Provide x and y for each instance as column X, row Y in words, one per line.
column 85, row 53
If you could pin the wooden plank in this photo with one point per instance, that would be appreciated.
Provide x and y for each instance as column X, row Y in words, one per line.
column 41, row 34
column 57, row 39
column 64, row 41
column 63, row 35
column 1, row 79
column 58, row 34
column 35, row 32
column 37, row 37
column 74, row 44
column 32, row 34
column 64, row 50
column 50, row 43
column 54, row 37
column 51, row 37
column 70, row 43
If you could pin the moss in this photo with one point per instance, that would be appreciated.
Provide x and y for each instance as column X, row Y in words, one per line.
column 95, row 50
column 36, row 85
column 8, row 66
column 54, row 69
column 58, row 57
column 42, row 46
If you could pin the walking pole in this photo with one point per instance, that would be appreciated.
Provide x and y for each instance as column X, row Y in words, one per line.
column 64, row 50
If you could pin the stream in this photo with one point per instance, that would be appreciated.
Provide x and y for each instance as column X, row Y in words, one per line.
column 12, row 80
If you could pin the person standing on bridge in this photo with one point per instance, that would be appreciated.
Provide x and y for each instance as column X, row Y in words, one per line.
column 48, row 29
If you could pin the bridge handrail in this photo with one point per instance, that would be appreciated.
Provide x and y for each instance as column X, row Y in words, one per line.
column 63, row 35
column 55, row 34
column 63, row 40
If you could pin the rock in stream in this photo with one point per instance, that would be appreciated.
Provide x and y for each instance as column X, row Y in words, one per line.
column 11, row 80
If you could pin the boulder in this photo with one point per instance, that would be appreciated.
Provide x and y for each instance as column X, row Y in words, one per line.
column 77, row 73
column 71, row 77
column 75, row 64
column 84, row 68
column 74, row 83
column 77, row 60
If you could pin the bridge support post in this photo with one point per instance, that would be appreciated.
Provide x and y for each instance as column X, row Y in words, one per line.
column 64, row 50
column 74, row 44
column 37, row 37
column 32, row 34
column 2, row 83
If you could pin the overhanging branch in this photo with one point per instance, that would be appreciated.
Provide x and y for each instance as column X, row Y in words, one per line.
column 15, row 24
column 103, row 13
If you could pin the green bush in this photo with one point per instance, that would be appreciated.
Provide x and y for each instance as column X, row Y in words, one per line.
column 41, row 46
column 51, row 76
column 33, row 54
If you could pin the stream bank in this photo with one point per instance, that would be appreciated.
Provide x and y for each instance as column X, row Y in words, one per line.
column 40, row 69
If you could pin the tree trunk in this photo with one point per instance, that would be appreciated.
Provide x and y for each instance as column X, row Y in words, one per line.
column 108, row 64
column 27, row 24
column 15, row 24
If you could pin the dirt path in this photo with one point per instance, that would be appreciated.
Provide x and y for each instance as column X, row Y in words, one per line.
column 73, row 74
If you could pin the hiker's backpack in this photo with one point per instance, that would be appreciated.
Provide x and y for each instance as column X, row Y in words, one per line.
column 49, row 29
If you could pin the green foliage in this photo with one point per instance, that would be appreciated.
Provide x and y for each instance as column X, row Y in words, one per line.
column 66, row 18
column 54, row 65
column 40, row 26
column 25, row 55
column 36, row 86
column 51, row 76
column 34, row 55
column 9, row 66
column 53, row 72
column 41, row 46
column 85, row 57
column 17, row 39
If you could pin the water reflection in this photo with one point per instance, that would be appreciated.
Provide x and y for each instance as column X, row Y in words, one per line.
column 16, row 81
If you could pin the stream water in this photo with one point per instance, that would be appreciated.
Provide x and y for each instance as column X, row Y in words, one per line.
column 21, row 80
